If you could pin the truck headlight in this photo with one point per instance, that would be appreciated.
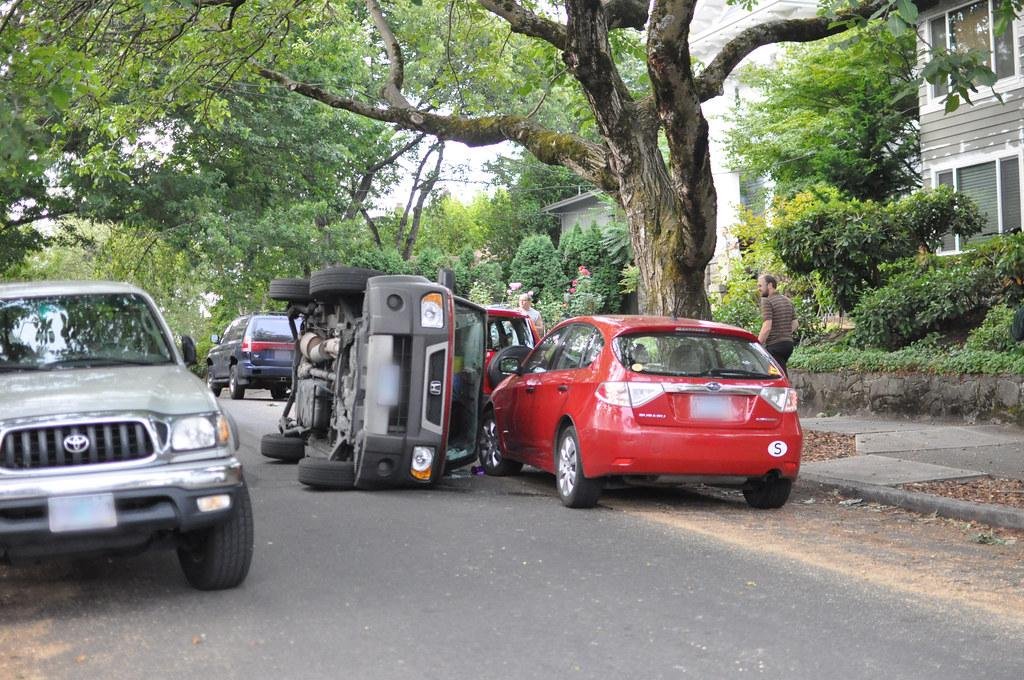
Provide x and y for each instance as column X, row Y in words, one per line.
column 199, row 432
column 432, row 311
column 422, row 462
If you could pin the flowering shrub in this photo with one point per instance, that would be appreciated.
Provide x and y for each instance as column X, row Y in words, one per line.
column 581, row 298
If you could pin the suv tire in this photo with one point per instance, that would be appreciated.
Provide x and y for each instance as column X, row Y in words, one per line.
column 290, row 290
column 280, row 447
column 219, row 557
column 321, row 473
column 236, row 390
column 336, row 282
column 214, row 386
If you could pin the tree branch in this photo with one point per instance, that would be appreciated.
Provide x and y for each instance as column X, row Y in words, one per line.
column 711, row 82
column 525, row 22
column 392, row 90
column 587, row 159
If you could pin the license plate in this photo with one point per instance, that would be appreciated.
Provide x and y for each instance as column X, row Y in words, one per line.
column 710, row 408
column 81, row 513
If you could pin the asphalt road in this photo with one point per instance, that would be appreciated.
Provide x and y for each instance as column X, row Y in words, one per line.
column 492, row 578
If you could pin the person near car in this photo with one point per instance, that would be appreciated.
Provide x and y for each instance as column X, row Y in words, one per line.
column 526, row 305
column 779, row 323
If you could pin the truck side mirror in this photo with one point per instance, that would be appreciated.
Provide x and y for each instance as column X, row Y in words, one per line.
column 188, row 350
column 446, row 277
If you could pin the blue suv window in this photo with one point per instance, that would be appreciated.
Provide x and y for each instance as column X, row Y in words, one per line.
column 271, row 329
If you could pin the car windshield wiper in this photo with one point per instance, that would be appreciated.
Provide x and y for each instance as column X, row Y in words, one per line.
column 736, row 373
column 5, row 367
column 98, row 361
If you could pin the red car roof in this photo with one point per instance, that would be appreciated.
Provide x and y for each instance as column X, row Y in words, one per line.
column 636, row 323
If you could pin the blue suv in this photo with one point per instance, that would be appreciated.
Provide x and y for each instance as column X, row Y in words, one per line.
column 255, row 352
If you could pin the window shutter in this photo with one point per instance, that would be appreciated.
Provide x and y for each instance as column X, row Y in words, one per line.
column 939, row 41
column 979, row 182
column 948, row 239
column 1009, row 181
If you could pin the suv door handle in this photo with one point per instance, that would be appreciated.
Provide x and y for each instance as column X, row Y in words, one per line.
column 563, row 388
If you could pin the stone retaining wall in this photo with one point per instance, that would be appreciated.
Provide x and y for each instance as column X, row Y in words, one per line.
column 970, row 398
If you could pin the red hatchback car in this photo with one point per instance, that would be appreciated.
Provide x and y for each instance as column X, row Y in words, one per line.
column 645, row 398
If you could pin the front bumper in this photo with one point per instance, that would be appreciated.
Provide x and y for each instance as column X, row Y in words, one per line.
column 148, row 501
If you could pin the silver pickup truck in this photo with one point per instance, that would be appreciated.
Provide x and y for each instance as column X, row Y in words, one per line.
column 108, row 443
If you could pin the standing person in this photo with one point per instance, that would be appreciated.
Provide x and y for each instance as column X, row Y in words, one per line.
column 526, row 305
column 779, row 323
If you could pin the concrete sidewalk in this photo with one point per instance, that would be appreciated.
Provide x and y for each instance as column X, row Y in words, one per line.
column 894, row 452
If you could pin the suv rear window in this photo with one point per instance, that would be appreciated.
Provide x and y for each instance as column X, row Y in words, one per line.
column 271, row 329
column 507, row 332
column 694, row 354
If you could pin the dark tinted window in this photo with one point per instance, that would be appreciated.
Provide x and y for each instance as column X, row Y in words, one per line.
column 235, row 329
column 80, row 330
column 270, row 329
column 576, row 353
column 540, row 359
column 693, row 354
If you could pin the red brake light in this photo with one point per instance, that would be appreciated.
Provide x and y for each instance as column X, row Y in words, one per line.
column 246, row 346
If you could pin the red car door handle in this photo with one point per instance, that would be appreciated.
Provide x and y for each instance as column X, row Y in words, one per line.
column 531, row 388
column 563, row 388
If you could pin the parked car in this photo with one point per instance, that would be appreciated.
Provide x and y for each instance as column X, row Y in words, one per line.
column 254, row 352
column 388, row 380
column 108, row 443
column 646, row 399
column 510, row 333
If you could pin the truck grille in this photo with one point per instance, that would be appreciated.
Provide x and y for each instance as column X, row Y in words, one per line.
column 398, row 418
column 84, row 444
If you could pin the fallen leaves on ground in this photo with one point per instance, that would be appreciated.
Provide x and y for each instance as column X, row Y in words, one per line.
column 827, row 446
column 994, row 490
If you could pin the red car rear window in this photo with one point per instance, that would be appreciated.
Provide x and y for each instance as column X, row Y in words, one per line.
column 693, row 354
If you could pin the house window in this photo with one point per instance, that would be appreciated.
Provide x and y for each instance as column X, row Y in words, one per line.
column 971, row 28
column 995, row 187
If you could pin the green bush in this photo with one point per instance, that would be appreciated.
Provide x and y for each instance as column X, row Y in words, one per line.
column 537, row 267
column 994, row 332
column 917, row 301
column 829, row 358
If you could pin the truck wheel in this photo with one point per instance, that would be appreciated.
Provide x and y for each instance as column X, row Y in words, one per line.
column 236, row 390
column 334, row 282
column 770, row 494
column 320, row 473
column 219, row 557
column 290, row 290
column 280, row 447
column 278, row 393
column 489, row 450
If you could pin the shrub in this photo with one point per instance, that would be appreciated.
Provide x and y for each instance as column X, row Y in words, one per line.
column 842, row 241
column 926, row 215
column 994, row 332
column 920, row 300
column 582, row 297
column 537, row 267
column 829, row 358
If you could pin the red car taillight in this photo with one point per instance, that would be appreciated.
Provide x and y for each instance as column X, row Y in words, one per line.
column 782, row 399
column 628, row 393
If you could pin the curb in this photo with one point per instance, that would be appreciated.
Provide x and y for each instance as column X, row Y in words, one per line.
column 993, row 515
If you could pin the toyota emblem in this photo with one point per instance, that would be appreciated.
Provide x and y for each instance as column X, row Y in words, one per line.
column 76, row 443
column 713, row 386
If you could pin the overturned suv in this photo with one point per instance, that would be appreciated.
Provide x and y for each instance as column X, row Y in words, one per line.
column 387, row 379
column 108, row 443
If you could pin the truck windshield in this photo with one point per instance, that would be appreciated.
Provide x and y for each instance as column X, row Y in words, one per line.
column 73, row 331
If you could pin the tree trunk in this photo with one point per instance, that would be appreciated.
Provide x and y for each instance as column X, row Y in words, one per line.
column 673, row 240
